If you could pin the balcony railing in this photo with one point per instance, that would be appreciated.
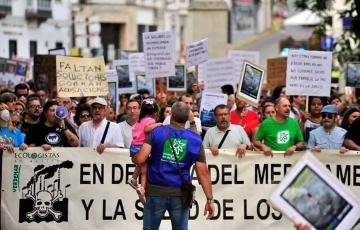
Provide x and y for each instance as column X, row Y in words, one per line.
column 38, row 9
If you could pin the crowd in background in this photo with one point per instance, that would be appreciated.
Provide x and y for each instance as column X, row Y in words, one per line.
column 31, row 117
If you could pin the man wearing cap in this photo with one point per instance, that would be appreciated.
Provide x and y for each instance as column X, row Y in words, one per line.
column 95, row 134
column 327, row 136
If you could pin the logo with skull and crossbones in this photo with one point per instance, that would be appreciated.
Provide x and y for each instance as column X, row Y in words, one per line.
column 43, row 205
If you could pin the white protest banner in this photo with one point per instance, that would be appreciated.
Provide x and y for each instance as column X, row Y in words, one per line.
column 218, row 72
column 136, row 65
column 197, row 52
column 80, row 77
column 86, row 190
column 239, row 56
column 308, row 73
column 209, row 101
column 159, row 58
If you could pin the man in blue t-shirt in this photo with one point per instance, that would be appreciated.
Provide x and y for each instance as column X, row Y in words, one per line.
column 170, row 151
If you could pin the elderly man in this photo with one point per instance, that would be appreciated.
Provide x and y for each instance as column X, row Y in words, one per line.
column 225, row 135
column 99, row 132
column 132, row 112
column 280, row 133
column 193, row 123
column 164, row 182
column 327, row 136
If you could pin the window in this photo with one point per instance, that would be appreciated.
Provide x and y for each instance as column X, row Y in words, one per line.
column 12, row 48
column 33, row 48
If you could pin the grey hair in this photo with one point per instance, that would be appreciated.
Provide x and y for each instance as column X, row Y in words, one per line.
column 180, row 112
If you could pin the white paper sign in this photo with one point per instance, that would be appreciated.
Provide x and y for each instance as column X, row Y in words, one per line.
column 136, row 64
column 219, row 72
column 239, row 56
column 308, row 73
column 159, row 58
column 197, row 52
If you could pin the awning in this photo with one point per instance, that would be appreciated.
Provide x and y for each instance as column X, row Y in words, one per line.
column 304, row 18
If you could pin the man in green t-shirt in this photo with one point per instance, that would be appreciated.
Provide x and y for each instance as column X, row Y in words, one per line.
column 281, row 133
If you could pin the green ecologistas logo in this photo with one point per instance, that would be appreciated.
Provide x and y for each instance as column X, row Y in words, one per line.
column 16, row 176
column 34, row 156
column 180, row 147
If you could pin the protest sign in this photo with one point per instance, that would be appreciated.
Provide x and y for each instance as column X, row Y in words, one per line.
column 146, row 83
column 216, row 73
column 353, row 74
column 44, row 73
column 81, row 77
column 177, row 82
column 112, row 79
column 159, row 58
column 276, row 72
column 239, row 56
column 308, row 73
column 209, row 101
column 250, row 84
column 124, row 83
column 90, row 191
column 12, row 72
column 136, row 65
column 197, row 53
column 311, row 194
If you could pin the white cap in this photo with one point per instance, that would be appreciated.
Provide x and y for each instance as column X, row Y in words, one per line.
column 98, row 100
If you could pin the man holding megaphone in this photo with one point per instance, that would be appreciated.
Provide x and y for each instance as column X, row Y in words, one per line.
column 52, row 130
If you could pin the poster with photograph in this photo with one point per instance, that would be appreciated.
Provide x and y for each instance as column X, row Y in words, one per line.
column 21, row 68
column 112, row 78
column 124, row 83
column 146, row 83
column 177, row 82
column 312, row 195
column 353, row 74
column 10, row 78
column 250, row 83
column 209, row 101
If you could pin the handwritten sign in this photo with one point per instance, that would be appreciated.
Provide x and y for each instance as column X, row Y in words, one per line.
column 81, row 77
column 308, row 73
column 136, row 65
column 239, row 56
column 159, row 59
column 197, row 52
column 218, row 72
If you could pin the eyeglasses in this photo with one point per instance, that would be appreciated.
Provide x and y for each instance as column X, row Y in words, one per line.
column 84, row 115
column 328, row 115
column 35, row 107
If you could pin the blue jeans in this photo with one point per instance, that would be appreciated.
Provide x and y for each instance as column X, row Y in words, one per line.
column 155, row 208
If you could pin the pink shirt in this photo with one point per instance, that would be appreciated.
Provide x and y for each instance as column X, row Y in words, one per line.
column 138, row 131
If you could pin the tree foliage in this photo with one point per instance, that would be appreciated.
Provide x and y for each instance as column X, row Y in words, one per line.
column 347, row 46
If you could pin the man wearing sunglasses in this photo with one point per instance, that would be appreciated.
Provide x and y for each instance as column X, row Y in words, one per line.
column 328, row 135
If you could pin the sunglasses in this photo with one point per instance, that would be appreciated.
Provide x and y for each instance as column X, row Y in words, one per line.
column 84, row 115
column 328, row 115
column 35, row 107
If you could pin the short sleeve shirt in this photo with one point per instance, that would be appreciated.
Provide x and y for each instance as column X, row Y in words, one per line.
column 138, row 132
column 250, row 121
column 279, row 136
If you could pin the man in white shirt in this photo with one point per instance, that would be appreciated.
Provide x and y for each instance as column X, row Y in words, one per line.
column 193, row 123
column 91, row 132
column 132, row 112
column 236, row 137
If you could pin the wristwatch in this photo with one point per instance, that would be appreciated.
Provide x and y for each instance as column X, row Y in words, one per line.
column 210, row 201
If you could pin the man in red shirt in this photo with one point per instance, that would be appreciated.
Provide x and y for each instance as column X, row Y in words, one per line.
column 248, row 119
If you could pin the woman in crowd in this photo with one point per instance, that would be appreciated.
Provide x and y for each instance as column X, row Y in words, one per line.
column 123, row 98
column 19, row 107
column 82, row 114
column 315, row 106
column 349, row 117
column 10, row 136
column 267, row 111
column 279, row 91
column 165, row 111
column 16, row 119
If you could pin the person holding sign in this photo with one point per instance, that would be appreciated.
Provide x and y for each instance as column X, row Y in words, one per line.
column 280, row 133
column 226, row 135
